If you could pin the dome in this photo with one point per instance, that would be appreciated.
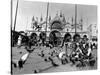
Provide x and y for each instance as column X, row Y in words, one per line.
column 58, row 22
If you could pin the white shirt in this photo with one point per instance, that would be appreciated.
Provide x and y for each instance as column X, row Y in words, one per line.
column 19, row 40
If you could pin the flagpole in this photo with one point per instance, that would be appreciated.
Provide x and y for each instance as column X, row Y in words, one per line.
column 27, row 23
column 11, row 36
column 11, row 14
column 47, row 17
column 16, row 15
column 75, row 18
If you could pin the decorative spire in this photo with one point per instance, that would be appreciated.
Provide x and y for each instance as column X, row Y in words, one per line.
column 64, row 20
column 72, row 21
column 67, row 21
column 41, row 19
column 57, row 13
column 61, row 14
column 81, row 23
column 72, row 25
column 33, row 18
column 37, row 19
column 81, row 20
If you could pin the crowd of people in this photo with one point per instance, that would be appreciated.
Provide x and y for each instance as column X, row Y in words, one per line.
column 76, row 50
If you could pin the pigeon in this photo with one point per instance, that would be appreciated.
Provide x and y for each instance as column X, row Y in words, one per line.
column 22, row 60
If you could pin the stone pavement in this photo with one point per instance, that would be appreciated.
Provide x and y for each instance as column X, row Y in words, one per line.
column 35, row 62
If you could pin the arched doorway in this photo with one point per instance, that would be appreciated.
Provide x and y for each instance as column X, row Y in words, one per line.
column 57, row 25
column 33, row 39
column 42, row 37
column 55, row 38
column 76, row 37
column 67, row 37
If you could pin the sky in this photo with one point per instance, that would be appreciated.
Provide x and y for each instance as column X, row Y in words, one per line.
column 28, row 9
